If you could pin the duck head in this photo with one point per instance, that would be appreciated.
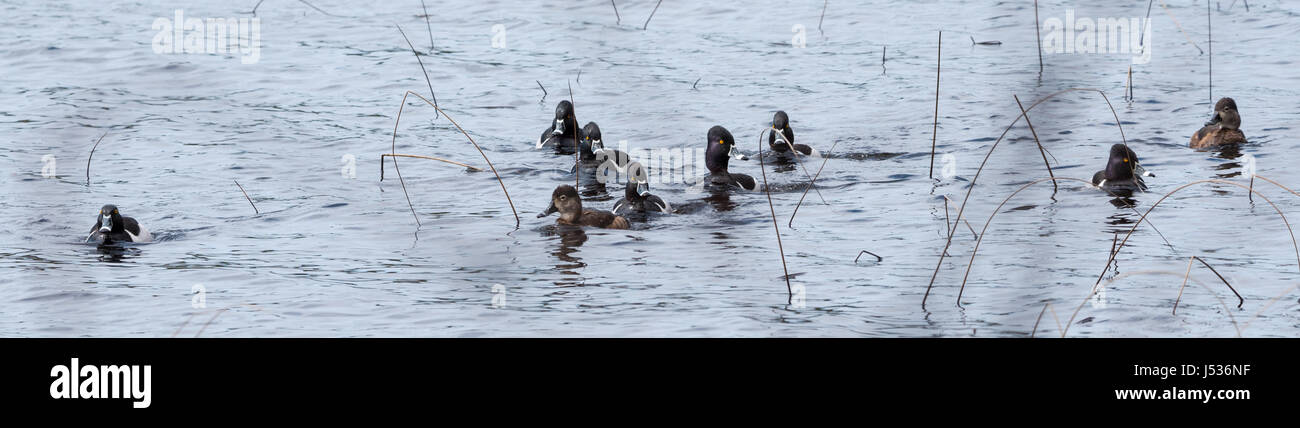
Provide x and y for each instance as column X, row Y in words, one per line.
column 721, row 147
column 1124, row 164
column 1225, row 114
column 109, row 220
column 566, row 201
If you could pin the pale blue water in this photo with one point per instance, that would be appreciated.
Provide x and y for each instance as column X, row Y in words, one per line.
column 336, row 256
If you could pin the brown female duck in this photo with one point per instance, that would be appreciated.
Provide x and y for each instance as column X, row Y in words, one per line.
column 1222, row 129
column 568, row 203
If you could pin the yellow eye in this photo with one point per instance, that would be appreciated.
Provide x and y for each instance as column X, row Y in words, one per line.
column 722, row 142
column 1125, row 160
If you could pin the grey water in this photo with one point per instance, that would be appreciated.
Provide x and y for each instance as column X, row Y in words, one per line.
column 327, row 254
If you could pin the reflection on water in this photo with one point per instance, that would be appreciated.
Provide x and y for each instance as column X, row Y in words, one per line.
column 1123, row 202
column 1228, row 152
column 719, row 196
column 115, row 253
column 571, row 238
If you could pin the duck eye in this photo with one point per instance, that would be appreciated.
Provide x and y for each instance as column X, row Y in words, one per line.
column 1125, row 160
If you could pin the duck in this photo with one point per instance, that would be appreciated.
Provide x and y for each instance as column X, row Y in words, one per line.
column 111, row 227
column 1123, row 174
column 782, row 146
column 594, row 149
column 637, row 197
column 719, row 152
column 568, row 203
column 564, row 133
column 1223, row 128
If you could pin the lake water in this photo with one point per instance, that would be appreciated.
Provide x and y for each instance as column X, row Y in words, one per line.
column 330, row 255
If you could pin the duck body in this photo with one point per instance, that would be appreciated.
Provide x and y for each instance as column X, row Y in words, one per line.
column 1214, row 135
column 593, row 149
column 1224, row 127
column 637, row 197
column 568, row 203
column 718, row 155
column 563, row 134
column 112, row 228
column 781, row 139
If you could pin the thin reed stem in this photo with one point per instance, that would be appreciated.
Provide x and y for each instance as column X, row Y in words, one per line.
column 811, row 183
column 823, row 18
column 1038, row 35
column 428, row 24
column 384, row 155
column 652, row 15
column 421, row 62
column 1240, row 300
column 1041, row 151
column 1166, row 196
column 250, row 200
column 971, row 187
column 92, row 156
column 471, row 141
column 934, row 137
column 577, row 150
column 1239, row 328
column 775, row 226
column 980, row 237
column 1180, row 27
column 1046, row 306
column 878, row 258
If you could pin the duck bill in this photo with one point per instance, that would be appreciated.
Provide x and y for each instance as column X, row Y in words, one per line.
column 780, row 143
column 731, row 152
column 643, row 188
column 106, row 224
column 1214, row 120
column 559, row 127
column 549, row 210
column 1142, row 172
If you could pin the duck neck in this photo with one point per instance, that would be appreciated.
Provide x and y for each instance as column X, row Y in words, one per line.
column 716, row 158
column 571, row 217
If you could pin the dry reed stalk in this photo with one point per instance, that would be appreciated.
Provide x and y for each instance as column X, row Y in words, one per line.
column 780, row 247
column 467, row 136
column 250, row 200
column 971, row 187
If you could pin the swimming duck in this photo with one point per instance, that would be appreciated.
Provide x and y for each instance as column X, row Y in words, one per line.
column 110, row 227
column 781, row 125
column 1223, row 128
column 637, row 197
column 594, row 149
column 719, row 153
column 566, row 201
column 1123, row 174
column 564, row 132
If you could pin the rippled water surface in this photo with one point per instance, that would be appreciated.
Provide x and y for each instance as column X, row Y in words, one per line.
column 329, row 255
